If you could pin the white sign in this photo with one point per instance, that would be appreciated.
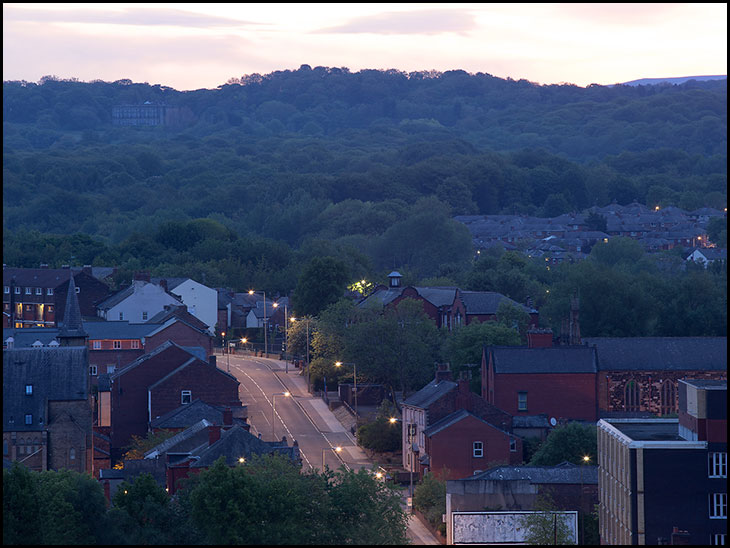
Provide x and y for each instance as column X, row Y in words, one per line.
column 499, row 527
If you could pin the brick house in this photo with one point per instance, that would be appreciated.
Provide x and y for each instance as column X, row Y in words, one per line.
column 437, row 401
column 641, row 375
column 540, row 378
column 482, row 306
column 461, row 444
column 36, row 297
column 47, row 418
column 159, row 382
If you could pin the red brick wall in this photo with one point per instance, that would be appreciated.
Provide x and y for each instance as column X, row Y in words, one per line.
column 206, row 383
column 611, row 386
column 181, row 334
column 451, row 450
column 129, row 394
column 560, row 395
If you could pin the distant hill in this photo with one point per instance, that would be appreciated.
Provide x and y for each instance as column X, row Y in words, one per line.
column 677, row 80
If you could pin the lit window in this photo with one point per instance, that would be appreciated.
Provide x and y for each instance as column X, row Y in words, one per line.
column 478, row 449
column 718, row 505
column 718, row 465
column 28, row 389
column 50, row 308
column 186, row 396
column 29, row 419
column 521, row 401
column 92, row 370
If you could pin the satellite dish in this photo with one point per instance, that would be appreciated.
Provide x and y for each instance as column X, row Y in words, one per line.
column 553, row 422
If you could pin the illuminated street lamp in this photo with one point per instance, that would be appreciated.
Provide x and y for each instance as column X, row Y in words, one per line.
column 227, row 353
column 336, row 450
column 286, row 335
column 273, row 411
column 266, row 348
column 585, row 460
column 354, row 378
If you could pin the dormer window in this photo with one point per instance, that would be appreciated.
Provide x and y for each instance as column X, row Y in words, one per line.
column 49, row 291
column 38, row 291
column 28, row 291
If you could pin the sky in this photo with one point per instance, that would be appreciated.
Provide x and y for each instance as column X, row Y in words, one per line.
column 193, row 46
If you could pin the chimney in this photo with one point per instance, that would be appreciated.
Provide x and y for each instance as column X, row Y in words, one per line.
column 443, row 372
column 227, row 417
column 214, row 434
column 540, row 338
column 142, row 276
column 212, row 360
column 163, row 285
column 463, row 395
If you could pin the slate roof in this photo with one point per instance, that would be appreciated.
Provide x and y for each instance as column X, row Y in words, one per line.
column 36, row 277
column 660, row 353
column 56, row 374
column 25, row 337
column 237, row 442
column 453, row 418
column 438, row 296
column 116, row 298
column 72, row 325
column 187, row 415
column 556, row 359
column 180, row 312
column 486, row 302
column 566, row 473
column 429, row 393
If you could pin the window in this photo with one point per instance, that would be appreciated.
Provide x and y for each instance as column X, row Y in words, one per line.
column 92, row 370
column 78, row 290
column 50, row 308
column 144, row 316
column 521, row 401
column 38, row 291
column 97, row 345
column 72, row 454
column 632, row 396
column 668, row 398
column 117, row 345
column 121, row 316
column 135, row 344
column 186, row 396
column 7, row 289
column 718, row 506
column 718, row 539
column 17, row 290
column 478, row 449
column 718, row 465
column 111, row 369
column 28, row 389
column 28, row 291
column 513, row 445
column 49, row 291
column 29, row 419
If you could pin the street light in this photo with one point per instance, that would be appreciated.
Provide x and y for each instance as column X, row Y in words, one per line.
column 228, row 354
column 354, row 378
column 286, row 334
column 336, row 450
column 266, row 349
column 585, row 460
column 273, row 411
column 307, row 363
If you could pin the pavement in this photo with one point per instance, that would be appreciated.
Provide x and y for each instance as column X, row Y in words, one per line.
column 326, row 421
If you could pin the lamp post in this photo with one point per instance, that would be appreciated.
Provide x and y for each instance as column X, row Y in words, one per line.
column 585, row 460
column 273, row 412
column 307, row 361
column 286, row 332
column 228, row 356
column 354, row 379
column 336, row 450
column 266, row 348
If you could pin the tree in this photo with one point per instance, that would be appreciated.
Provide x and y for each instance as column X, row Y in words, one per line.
column 429, row 497
column 139, row 446
column 546, row 525
column 570, row 442
column 381, row 435
column 596, row 222
column 321, row 283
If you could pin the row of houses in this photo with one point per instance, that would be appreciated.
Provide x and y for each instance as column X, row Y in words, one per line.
column 62, row 408
column 569, row 236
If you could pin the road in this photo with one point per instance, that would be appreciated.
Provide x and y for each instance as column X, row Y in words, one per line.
column 301, row 417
